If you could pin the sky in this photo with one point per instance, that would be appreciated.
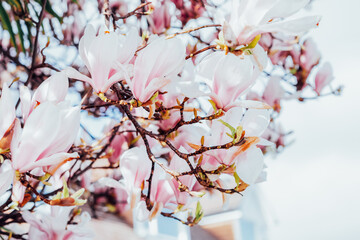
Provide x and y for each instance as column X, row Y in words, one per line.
column 313, row 187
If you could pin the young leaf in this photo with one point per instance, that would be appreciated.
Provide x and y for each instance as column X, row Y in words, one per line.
column 199, row 213
column 237, row 178
column 232, row 129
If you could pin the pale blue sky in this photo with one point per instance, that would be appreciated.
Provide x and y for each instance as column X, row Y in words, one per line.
column 313, row 186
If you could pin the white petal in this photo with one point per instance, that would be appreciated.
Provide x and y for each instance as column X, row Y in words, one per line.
column 292, row 27
column 255, row 122
column 7, row 110
column 39, row 132
column 72, row 73
column 6, row 177
column 250, row 164
column 285, row 8
column 110, row 182
column 25, row 98
column 54, row 88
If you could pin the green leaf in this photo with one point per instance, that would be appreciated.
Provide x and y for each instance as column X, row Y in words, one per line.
column 50, row 10
column 232, row 129
column 237, row 178
column 255, row 41
column 7, row 25
column 21, row 35
column 199, row 213
column 213, row 104
column 198, row 208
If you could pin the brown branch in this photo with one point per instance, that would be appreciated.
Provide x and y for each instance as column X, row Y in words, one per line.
column 38, row 24
column 192, row 30
column 200, row 51
column 134, row 12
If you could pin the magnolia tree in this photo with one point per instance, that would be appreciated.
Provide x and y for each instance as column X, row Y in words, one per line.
column 189, row 90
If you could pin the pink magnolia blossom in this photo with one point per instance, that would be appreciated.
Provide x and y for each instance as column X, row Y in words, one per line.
column 254, row 122
column 189, row 9
column 106, row 56
column 55, row 226
column 178, row 164
column 7, row 113
column 120, row 7
column 161, row 195
column 120, row 143
column 323, row 77
column 250, row 18
column 46, row 137
column 279, row 46
column 155, row 66
column 231, row 77
column 177, row 90
column 161, row 190
column 135, row 167
column 189, row 133
column 54, row 89
column 310, row 55
column 273, row 93
column 160, row 18
column 275, row 134
column 181, row 87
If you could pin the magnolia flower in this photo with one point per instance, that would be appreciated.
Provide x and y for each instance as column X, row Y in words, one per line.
column 120, row 142
column 177, row 90
column 7, row 113
column 275, row 134
column 179, row 165
column 249, row 18
column 253, row 123
column 231, row 77
column 323, row 77
column 54, row 89
column 279, row 46
column 181, row 87
column 106, row 56
column 161, row 191
column 48, row 134
column 273, row 92
column 135, row 167
column 189, row 133
column 160, row 196
column 155, row 66
column 250, row 164
column 42, row 144
column 55, row 226
column 310, row 55
column 160, row 18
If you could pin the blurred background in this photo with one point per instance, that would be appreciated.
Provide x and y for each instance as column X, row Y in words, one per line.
column 312, row 191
